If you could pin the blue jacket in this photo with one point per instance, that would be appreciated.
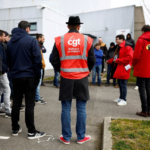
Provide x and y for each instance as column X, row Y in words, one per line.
column 3, row 59
column 23, row 55
column 98, row 56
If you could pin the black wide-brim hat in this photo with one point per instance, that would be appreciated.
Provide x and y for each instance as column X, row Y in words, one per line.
column 74, row 20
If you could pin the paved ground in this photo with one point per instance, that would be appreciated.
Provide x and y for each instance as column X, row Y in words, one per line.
column 47, row 118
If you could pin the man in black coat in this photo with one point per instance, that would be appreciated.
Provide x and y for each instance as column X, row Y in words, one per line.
column 73, row 88
column 25, row 62
column 130, row 40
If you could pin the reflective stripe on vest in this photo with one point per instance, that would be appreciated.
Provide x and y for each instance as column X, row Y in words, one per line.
column 75, row 70
column 83, row 56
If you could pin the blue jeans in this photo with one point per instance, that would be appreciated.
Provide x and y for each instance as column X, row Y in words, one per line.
column 98, row 70
column 108, row 75
column 37, row 94
column 123, row 88
column 56, row 78
column 66, row 119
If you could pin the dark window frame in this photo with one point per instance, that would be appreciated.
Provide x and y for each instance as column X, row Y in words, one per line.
column 33, row 23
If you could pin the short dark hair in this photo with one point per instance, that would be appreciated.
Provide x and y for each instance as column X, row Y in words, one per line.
column 145, row 28
column 2, row 32
column 97, row 44
column 121, row 37
column 74, row 26
column 24, row 25
column 39, row 35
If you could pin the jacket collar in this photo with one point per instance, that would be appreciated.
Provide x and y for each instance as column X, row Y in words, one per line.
column 122, row 44
column 73, row 30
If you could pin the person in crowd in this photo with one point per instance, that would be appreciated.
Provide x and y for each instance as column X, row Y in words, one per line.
column 130, row 40
column 56, row 74
column 4, row 83
column 109, row 55
column 38, row 98
column 141, row 63
column 74, row 60
column 104, row 48
column 123, row 58
column 25, row 62
column 41, row 40
column 98, row 65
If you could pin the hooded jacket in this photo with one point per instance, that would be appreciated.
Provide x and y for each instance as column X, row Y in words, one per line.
column 130, row 40
column 110, row 52
column 3, row 61
column 124, row 59
column 23, row 55
column 141, row 57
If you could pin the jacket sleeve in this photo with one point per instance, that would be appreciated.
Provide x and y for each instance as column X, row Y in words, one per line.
column 127, row 58
column 100, row 54
column 105, row 50
column 54, row 58
column 138, row 51
column 37, row 58
column 133, row 43
column 91, row 58
column 111, row 60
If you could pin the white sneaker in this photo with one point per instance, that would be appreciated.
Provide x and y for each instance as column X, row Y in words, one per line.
column 122, row 103
column 136, row 88
column 117, row 100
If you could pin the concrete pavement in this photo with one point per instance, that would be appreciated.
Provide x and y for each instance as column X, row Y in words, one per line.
column 47, row 118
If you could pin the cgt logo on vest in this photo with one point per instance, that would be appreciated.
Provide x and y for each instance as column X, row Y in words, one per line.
column 74, row 42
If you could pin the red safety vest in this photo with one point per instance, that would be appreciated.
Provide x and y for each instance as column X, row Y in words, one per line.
column 73, row 51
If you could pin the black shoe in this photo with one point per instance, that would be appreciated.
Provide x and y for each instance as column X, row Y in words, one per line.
column 2, row 113
column 42, row 98
column 42, row 84
column 22, row 109
column 15, row 133
column 106, row 84
column 41, row 102
column 8, row 115
column 22, row 106
column 36, row 135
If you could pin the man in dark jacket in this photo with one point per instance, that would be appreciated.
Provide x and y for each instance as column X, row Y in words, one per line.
column 109, row 55
column 73, row 56
column 4, row 83
column 141, row 63
column 130, row 40
column 24, row 61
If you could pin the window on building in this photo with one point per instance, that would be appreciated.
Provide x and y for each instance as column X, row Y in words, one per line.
column 33, row 35
column 33, row 26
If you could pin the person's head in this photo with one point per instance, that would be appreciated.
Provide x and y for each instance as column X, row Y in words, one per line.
column 74, row 23
column 76, row 27
column 128, row 36
column 97, row 46
column 2, row 36
column 40, row 38
column 112, row 45
column 7, row 37
column 145, row 28
column 119, row 39
column 100, row 40
column 24, row 25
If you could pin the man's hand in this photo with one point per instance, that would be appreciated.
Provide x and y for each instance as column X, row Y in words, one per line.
column 107, row 61
column 114, row 60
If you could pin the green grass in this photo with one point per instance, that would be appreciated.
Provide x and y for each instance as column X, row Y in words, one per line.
column 130, row 134
column 132, row 78
column 50, row 78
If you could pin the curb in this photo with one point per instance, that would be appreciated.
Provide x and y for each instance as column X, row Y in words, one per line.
column 107, row 136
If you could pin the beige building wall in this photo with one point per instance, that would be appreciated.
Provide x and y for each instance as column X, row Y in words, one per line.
column 139, row 21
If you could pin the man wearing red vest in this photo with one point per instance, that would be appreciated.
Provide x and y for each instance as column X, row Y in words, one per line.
column 141, row 63
column 73, row 56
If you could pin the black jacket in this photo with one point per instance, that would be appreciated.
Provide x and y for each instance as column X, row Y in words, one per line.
column 130, row 40
column 55, row 60
column 23, row 55
column 110, row 53
column 3, row 59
